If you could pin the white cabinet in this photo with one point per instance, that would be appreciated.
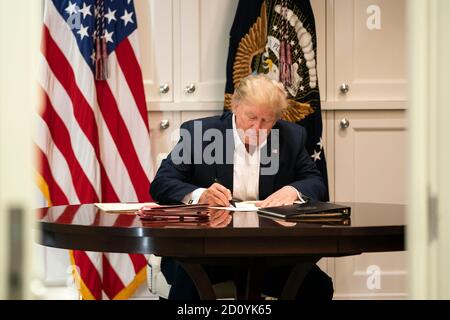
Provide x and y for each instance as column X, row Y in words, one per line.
column 369, row 159
column 155, row 30
column 184, row 46
column 370, row 156
column 369, row 50
column 204, row 32
column 355, row 276
column 366, row 48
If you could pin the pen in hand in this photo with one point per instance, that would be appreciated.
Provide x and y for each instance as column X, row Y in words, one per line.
column 232, row 201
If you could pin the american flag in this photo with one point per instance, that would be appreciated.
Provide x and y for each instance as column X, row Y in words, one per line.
column 93, row 138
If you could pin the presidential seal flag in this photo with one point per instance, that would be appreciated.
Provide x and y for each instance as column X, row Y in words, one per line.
column 278, row 38
column 93, row 140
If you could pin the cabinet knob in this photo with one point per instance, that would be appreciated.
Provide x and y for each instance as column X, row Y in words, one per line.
column 345, row 123
column 190, row 88
column 164, row 124
column 164, row 88
column 344, row 88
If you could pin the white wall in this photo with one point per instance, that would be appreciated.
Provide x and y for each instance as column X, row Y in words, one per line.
column 20, row 25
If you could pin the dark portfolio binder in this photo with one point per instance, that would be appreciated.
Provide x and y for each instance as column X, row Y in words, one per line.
column 310, row 210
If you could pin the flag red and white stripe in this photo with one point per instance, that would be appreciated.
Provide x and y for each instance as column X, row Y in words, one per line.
column 93, row 143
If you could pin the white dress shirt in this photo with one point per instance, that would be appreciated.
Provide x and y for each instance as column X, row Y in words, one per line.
column 245, row 168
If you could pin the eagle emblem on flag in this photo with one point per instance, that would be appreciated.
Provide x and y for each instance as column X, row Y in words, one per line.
column 280, row 46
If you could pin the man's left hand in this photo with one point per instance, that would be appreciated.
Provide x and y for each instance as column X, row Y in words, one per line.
column 284, row 196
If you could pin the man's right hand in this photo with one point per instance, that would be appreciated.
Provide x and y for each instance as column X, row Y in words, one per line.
column 220, row 218
column 216, row 195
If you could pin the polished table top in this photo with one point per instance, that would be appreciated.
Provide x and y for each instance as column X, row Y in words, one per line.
column 373, row 228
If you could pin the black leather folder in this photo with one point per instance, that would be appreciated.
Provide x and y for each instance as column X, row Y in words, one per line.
column 311, row 209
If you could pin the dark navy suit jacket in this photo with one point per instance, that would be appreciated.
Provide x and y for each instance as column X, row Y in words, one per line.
column 296, row 168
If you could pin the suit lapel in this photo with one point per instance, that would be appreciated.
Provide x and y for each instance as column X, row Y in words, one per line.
column 224, row 171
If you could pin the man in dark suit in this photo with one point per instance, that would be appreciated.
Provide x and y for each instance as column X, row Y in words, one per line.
column 249, row 154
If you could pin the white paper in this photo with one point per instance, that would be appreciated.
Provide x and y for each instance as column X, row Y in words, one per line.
column 249, row 206
column 119, row 207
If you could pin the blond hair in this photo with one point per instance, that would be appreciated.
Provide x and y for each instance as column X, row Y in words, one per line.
column 261, row 91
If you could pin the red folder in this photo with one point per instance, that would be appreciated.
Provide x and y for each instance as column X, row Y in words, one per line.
column 186, row 213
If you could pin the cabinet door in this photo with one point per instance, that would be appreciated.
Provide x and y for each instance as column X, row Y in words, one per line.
column 370, row 156
column 155, row 21
column 370, row 51
column 371, row 276
column 204, row 32
column 370, row 166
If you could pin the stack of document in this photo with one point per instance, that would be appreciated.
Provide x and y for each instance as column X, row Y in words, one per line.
column 176, row 213
column 122, row 207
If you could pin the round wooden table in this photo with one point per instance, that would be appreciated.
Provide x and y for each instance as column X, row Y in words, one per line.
column 242, row 239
